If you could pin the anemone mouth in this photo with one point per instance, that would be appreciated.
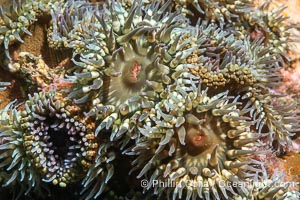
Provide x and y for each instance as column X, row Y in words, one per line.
column 58, row 148
column 133, row 75
column 132, row 67
column 61, row 142
column 203, row 143
column 60, row 145
column 201, row 140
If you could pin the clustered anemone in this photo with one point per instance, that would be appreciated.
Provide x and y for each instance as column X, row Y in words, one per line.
column 188, row 103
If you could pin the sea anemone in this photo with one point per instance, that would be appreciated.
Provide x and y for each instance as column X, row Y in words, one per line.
column 227, row 62
column 127, row 54
column 14, row 168
column 269, row 22
column 215, row 11
column 63, row 18
column 222, row 60
column 274, row 27
column 16, row 19
column 197, row 142
column 60, row 143
column 124, row 64
column 191, row 104
column 263, row 19
column 47, row 141
column 277, row 119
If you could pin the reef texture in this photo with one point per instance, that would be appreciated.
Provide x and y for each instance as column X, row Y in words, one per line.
column 185, row 95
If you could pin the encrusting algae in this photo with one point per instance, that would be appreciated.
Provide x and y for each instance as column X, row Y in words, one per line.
column 181, row 95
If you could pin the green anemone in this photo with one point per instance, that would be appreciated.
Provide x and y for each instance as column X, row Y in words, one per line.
column 198, row 142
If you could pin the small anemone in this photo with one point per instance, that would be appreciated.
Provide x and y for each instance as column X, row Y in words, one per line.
column 216, row 11
column 222, row 60
column 261, row 20
column 269, row 22
column 16, row 18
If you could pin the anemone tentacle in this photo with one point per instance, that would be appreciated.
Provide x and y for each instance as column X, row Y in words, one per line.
column 275, row 119
column 221, row 12
column 3, row 85
column 273, row 186
column 61, row 31
column 100, row 172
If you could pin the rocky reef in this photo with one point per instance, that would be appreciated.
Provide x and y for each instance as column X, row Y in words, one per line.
column 136, row 99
